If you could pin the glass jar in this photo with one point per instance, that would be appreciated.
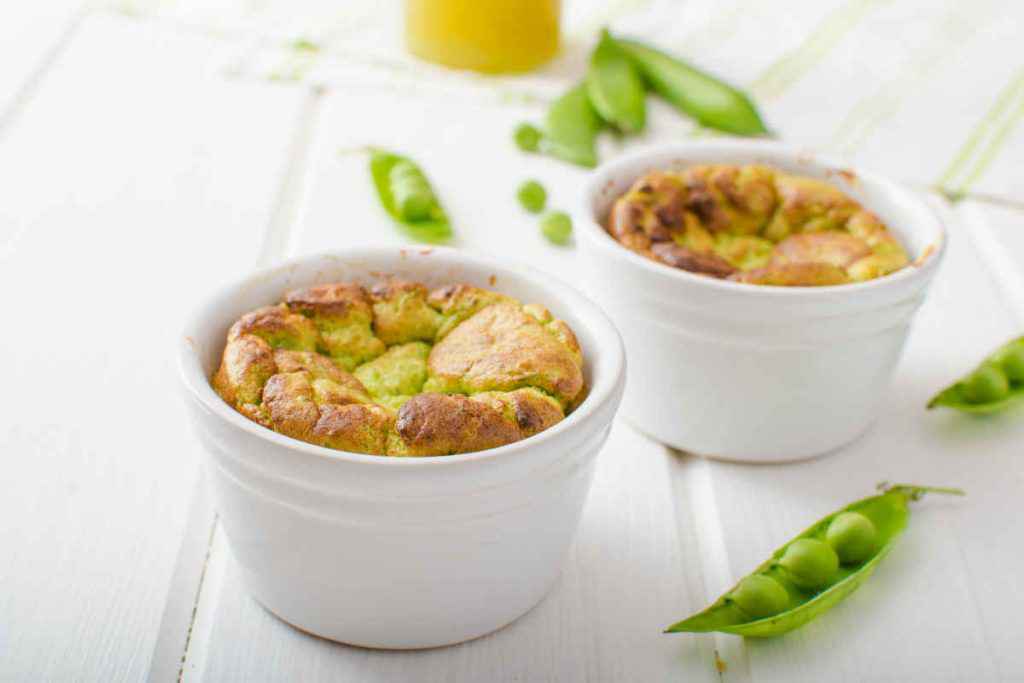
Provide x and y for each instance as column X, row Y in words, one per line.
column 491, row 36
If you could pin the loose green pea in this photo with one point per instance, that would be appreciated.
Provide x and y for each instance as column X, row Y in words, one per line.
column 760, row 596
column 986, row 384
column 557, row 227
column 853, row 536
column 809, row 562
column 532, row 196
column 527, row 137
column 1013, row 363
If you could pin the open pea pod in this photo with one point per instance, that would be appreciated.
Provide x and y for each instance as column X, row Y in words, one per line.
column 814, row 571
column 406, row 195
column 995, row 384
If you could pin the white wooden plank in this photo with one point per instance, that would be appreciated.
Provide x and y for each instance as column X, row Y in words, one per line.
column 998, row 166
column 31, row 36
column 135, row 182
column 998, row 233
column 184, row 586
column 621, row 585
column 697, row 514
column 943, row 606
column 176, row 627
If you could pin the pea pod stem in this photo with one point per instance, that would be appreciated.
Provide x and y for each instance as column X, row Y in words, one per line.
column 915, row 492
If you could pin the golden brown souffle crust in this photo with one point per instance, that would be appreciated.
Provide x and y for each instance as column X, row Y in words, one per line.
column 399, row 370
column 754, row 224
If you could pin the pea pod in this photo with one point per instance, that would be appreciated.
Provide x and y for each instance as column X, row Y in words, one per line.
column 992, row 386
column 708, row 100
column 406, row 194
column 615, row 86
column 572, row 128
column 813, row 572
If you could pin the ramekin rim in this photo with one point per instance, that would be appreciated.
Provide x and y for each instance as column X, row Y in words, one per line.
column 919, row 268
column 198, row 387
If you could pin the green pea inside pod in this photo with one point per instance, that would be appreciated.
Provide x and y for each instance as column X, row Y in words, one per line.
column 853, row 537
column 760, row 596
column 413, row 195
column 810, row 563
column 1013, row 363
column 986, row 384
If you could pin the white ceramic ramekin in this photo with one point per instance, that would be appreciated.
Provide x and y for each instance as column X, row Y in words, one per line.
column 754, row 373
column 399, row 552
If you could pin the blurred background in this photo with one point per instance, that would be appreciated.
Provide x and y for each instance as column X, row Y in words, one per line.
column 936, row 81
column 930, row 90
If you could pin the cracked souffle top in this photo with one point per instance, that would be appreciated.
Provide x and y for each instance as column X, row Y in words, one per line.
column 400, row 370
column 754, row 224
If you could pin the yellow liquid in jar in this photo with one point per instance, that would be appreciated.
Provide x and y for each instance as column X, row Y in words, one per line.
column 492, row 36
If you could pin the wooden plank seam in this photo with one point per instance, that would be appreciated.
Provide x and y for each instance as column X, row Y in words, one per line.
column 28, row 88
column 1007, row 276
column 283, row 222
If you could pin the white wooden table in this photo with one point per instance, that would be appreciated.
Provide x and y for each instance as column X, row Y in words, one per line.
column 146, row 155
